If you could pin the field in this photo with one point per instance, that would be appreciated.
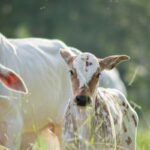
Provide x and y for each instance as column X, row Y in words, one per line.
column 143, row 141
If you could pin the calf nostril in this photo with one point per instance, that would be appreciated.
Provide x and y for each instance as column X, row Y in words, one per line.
column 78, row 99
column 82, row 100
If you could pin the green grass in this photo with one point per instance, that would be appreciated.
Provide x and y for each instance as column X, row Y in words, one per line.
column 40, row 145
column 143, row 139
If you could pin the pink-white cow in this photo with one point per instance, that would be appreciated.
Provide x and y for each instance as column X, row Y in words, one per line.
column 13, row 82
column 39, row 63
column 97, row 118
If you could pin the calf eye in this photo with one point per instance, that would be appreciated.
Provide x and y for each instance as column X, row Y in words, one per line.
column 71, row 72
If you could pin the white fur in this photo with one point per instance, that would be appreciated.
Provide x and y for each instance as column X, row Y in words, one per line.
column 46, row 75
column 84, row 72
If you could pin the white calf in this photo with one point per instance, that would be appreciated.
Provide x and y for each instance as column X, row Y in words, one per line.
column 39, row 63
column 97, row 118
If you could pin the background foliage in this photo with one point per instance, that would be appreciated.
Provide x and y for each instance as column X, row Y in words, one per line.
column 103, row 27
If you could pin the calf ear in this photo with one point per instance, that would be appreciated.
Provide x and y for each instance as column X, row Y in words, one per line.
column 11, row 80
column 67, row 55
column 112, row 61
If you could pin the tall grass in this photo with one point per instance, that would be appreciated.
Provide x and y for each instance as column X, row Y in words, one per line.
column 143, row 139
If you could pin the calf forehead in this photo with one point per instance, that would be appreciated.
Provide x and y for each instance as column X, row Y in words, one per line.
column 85, row 65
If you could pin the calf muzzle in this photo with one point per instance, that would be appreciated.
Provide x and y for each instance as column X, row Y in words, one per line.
column 83, row 100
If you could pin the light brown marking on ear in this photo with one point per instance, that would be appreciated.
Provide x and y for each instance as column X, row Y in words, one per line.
column 67, row 55
column 112, row 61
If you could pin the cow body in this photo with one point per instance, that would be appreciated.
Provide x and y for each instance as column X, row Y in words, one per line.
column 46, row 75
column 97, row 118
column 8, row 109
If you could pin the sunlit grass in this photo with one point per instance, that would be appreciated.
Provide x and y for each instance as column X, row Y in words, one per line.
column 143, row 139
column 134, row 76
column 40, row 145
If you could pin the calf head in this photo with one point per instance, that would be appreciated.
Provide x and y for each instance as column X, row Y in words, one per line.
column 12, row 80
column 85, row 70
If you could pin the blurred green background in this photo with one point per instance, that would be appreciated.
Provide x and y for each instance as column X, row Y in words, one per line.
column 103, row 27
